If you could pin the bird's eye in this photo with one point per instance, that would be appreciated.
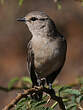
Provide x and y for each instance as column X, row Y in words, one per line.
column 43, row 19
column 33, row 19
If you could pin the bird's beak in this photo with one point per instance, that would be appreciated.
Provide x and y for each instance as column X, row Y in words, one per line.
column 23, row 19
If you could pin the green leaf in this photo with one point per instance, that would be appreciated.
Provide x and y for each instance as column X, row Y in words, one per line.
column 81, row 89
column 73, row 99
column 80, row 79
column 22, row 101
column 59, row 6
column 48, row 108
column 26, row 79
column 57, row 86
column 81, row 2
column 24, row 107
column 79, row 99
column 20, row 2
column 35, row 103
column 72, row 92
column 62, row 89
column 70, row 106
column 65, row 100
column 40, row 103
column 12, row 82
column 2, row 2
column 21, row 105
column 54, row 105
column 42, row 108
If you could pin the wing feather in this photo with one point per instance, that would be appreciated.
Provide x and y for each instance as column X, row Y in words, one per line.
column 30, row 64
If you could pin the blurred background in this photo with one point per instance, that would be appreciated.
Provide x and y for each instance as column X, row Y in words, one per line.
column 14, row 37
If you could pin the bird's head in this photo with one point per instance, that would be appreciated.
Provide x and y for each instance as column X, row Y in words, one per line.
column 36, row 21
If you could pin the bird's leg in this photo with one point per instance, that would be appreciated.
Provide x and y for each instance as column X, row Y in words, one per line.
column 39, row 82
column 50, row 86
column 38, row 79
column 43, row 81
column 37, row 96
column 51, row 90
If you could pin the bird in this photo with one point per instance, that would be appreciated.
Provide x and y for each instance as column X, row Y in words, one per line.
column 46, row 50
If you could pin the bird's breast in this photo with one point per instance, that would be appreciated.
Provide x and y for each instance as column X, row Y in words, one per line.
column 48, row 54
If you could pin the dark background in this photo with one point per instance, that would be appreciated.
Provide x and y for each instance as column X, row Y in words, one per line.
column 14, row 37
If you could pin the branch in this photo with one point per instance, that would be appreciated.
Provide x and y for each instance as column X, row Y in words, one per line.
column 34, row 90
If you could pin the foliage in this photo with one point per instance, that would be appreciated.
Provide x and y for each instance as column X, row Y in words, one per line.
column 29, row 104
column 15, row 82
column 20, row 2
column 57, row 2
column 72, row 96
column 12, row 82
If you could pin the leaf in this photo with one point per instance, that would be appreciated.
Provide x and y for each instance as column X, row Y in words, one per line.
column 79, row 99
column 2, row 2
column 22, row 101
column 81, row 2
column 81, row 89
column 65, row 100
column 74, row 108
column 48, row 108
column 24, row 107
column 40, row 103
column 21, row 105
column 26, row 79
column 73, row 99
column 70, row 106
column 20, row 2
column 72, row 92
column 80, row 79
column 54, row 105
column 35, row 103
column 59, row 6
column 62, row 89
column 12, row 82
column 42, row 108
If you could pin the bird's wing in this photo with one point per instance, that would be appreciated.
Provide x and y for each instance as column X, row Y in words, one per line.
column 30, row 64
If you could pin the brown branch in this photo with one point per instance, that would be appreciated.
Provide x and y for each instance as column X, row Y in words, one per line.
column 54, row 97
column 34, row 90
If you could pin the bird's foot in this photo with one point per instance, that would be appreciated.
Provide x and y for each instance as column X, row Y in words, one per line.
column 37, row 95
column 50, row 86
column 41, row 81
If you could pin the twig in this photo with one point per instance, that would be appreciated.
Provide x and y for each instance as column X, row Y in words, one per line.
column 54, row 97
column 34, row 90
column 19, row 96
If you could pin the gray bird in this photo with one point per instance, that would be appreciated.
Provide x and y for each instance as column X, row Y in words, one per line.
column 46, row 49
